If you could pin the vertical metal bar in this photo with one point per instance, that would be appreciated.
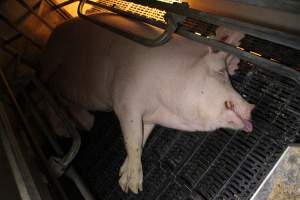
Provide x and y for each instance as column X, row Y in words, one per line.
column 70, row 172
column 36, row 145
column 24, row 181
column 68, row 158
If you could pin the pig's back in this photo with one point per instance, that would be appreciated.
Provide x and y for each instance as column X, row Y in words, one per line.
column 86, row 63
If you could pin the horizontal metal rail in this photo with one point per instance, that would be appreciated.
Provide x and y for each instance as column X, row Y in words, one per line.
column 291, row 6
column 171, row 19
column 260, row 61
column 265, row 33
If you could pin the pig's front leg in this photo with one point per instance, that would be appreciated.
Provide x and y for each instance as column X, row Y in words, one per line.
column 147, row 129
column 131, row 173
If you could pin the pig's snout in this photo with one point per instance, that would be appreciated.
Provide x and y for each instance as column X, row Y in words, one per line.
column 246, row 118
column 243, row 113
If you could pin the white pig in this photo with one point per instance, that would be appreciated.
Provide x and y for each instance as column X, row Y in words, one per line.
column 181, row 85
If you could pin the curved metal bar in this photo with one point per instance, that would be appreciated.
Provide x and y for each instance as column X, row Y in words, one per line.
column 265, row 33
column 70, row 171
column 171, row 18
column 60, row 164
column 35, row 143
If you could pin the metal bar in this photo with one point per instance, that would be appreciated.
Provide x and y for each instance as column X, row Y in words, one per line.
column 35, row 6
column 70, row 172
column 291, row 6
column 14, row 27
column 61, row 12
column 265, row 33
column 35, row 143
column 10, row 40
column 25, row 5
column 260, row 61
column 65, row 161
column 63, row 4
column 23, row 178
column 13, row 52
column 172, row 21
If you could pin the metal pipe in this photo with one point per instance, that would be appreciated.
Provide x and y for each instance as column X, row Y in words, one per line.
column 14, row 27
column 291, row 6
column 62, row 163
column 13, row 52
column 25, row 5
column 172, row 21
column 23, row 178
column 11, row 39
column 63, row 4
column 61, row 12
column 70, row 172
column 35, row 143
column 260, row 61
column 269, row 34
column 23, row 17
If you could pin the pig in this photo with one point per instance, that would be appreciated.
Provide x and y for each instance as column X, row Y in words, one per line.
column 182, row 84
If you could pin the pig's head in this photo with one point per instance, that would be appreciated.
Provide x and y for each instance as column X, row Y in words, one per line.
column 222, row 106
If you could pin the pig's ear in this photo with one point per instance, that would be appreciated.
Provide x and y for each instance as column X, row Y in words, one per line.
column 232, row 63
column 216, row 61
column 229, row 36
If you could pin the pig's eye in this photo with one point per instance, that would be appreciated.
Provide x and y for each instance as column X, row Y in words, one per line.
column 229, row 105
column 222, row 72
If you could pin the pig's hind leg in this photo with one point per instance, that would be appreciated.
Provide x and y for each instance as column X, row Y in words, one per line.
column 131, row 173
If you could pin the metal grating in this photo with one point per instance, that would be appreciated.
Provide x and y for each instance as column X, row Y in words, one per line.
column 137, row 9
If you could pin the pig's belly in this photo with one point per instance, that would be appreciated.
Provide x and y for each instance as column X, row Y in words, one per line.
column 84, row 91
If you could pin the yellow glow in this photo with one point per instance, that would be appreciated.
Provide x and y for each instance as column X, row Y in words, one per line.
column 240, row 48
column 274, row 60
column 198, row 33
column 254, row 53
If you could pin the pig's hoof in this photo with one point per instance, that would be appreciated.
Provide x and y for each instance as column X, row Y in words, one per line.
column 131, row 176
